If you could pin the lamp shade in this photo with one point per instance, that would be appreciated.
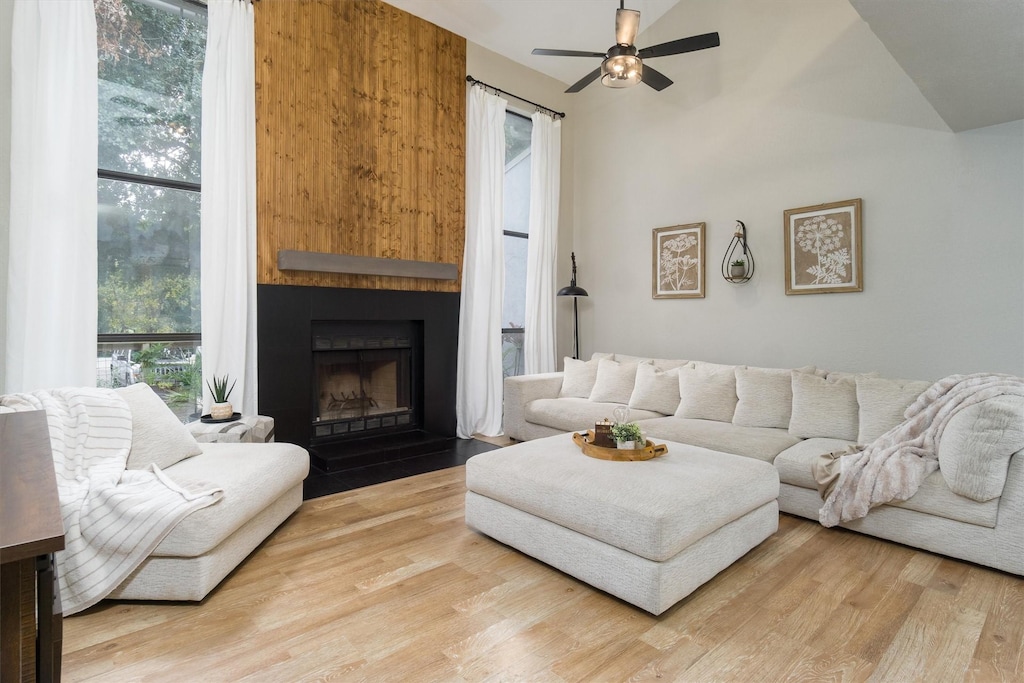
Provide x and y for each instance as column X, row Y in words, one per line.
column 572, row 290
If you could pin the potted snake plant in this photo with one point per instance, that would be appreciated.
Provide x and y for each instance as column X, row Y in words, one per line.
column 221, row 408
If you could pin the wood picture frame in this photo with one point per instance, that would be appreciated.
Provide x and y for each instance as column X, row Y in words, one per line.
column 678, row 264
column 824, row 248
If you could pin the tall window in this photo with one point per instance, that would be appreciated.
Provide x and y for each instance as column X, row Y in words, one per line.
column 518, row 129
column 150, row 84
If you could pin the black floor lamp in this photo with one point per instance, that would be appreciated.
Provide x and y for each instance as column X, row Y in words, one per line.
column 574, row 291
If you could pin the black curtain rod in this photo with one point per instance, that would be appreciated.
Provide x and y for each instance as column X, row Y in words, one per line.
column 558, row 114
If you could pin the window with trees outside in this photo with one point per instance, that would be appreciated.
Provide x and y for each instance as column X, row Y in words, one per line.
column 150, row 87
column 518, row 130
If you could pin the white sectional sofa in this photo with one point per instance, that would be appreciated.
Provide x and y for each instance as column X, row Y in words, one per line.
column 972, row 508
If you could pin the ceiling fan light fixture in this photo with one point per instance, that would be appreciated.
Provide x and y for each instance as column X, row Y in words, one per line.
column 621, row 71
column 623, row 62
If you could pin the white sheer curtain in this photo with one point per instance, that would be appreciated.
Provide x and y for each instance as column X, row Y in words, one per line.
column 229, row 202
column 479, row 385
column 545, row 170
column 51, row 275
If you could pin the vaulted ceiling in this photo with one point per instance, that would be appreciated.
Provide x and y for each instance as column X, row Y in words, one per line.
column 966, row 56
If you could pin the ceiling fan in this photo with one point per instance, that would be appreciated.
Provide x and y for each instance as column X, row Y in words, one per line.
column 623, row 64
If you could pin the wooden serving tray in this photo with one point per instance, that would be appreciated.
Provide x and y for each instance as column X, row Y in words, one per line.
column 586, row 444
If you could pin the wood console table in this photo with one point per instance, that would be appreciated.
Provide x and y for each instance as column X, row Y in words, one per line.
column 30, row 533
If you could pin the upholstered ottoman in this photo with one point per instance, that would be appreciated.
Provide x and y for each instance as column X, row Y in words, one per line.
column 647, row 532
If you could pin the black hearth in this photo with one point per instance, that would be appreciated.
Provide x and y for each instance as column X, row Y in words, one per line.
column 368, row 337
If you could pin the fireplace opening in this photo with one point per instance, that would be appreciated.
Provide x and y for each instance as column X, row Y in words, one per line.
column 364, row 379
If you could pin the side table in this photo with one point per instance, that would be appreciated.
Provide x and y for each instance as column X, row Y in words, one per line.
column 31, row 624
column 246, row 429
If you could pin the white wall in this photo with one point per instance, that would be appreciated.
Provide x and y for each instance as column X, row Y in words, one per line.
column 6, row 16
column 510, row 76
column 800, row 105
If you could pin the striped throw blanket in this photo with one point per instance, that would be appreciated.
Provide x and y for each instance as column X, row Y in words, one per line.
column 113, row 517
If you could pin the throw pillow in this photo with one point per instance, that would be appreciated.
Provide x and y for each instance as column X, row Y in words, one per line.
column 707, row 391
column 655, row 390
column 824, row 408
column 578, row 378
column 765, row 396
column 976, row 445
column 158, row 436
column 614, row 383
column 882, row 404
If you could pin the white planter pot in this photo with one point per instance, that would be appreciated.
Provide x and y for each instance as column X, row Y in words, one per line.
column 221, row 411
column 626, row 445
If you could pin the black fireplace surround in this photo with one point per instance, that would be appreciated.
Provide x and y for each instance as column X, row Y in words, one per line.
column 286, row 317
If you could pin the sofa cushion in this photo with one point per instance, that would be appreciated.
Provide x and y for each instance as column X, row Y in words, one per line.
column 934, row 497
column 707, row 391
column 765, row 396
column 655, row 390
column 762, row 443
column 253, row 475
column 663, row 364
column 882, row 403
column 976, row 445
column 794, row 463
column 614, row 383
column 834, row 376
column 158, row 436
column 578, row 377
column 666, row 364
column 712, row 367
column 823, row 407
column 576, row 414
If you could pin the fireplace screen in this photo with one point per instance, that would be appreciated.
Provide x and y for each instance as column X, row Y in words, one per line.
column 362, row 390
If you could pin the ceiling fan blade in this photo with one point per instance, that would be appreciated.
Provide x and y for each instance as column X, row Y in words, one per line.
column 565, row 53
column 655, row 78
column 585, row 81
column 677, row 47
column 627, row 22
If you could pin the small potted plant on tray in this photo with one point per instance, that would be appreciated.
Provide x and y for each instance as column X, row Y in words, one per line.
column 627, row 435
column 221, row 409
column 738, row 268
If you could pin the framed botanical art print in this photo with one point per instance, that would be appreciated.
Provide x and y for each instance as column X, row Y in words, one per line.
column 824, row 248
column 678, row 264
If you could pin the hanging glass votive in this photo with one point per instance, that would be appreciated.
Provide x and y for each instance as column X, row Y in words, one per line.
column 738, row 264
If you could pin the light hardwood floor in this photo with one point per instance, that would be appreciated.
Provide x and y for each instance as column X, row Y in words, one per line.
column 386, row 583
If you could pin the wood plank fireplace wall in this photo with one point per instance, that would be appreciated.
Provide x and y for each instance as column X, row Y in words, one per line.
column 360, row 150
column 360, row 139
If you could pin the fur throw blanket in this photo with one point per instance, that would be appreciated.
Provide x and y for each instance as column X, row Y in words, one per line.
column 893, row 466
column 113, row 517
